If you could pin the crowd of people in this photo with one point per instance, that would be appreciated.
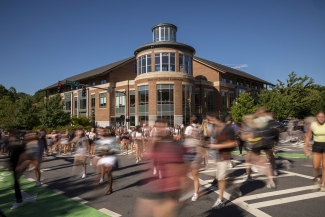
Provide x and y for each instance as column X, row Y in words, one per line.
column 176, row 153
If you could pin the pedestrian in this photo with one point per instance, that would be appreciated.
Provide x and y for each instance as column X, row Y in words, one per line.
column 317, row 130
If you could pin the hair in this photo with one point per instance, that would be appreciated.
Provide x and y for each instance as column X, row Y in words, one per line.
column 228, row 118
column 194, row 120
column 319, row 112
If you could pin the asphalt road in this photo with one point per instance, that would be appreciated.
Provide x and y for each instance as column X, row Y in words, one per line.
column 292, row 197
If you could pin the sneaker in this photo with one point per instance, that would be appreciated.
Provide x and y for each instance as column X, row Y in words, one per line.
column 154, row 171
column 137, row 161
column 160, row 176
column 101, row 181
column 254, row 169
column 218, row 204
column 230, row 165
column 275, row 173
column 270, row 184
column 37, row 184
column 83, row 176
column 30, row 168
column 248, row 178
column 195, row 197
column 317, row 183
column 322, row 188
column 16, row 205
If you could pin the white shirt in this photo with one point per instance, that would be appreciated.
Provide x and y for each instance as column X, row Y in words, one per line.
column 188, row 130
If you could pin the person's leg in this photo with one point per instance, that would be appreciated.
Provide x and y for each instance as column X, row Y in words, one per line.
column 323, row 169
column 84, row 166
column 110, row 180
column 317, row 159
column 195, row 174
column 137, row 152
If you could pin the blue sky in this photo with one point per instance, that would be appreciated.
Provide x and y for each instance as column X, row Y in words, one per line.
column 42, row 41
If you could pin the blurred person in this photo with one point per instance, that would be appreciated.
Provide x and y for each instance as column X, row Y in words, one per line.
column 177, row 133
column 160, row 196
column 125, row 136
column 17, row 148
column 226, row 143
column 55, row 140
column 239, row 140
column 92, row 138
column 317, row 130
column 33, row 154
column 72, row 141
column 4, row 142
column 64, row 142
column 81, row 155
column 194, row 152
column 106, row 150
column 49, row 143
column 261, row 137
column 138, row 139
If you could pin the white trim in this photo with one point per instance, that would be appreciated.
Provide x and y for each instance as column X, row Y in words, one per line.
column 142, row 84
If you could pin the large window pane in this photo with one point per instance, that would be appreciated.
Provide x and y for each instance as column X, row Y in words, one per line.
column 102, row 100
column 185, row 63
column 165, row 62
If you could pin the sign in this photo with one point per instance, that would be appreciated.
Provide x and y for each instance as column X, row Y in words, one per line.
column 165, row 79
column 72, row 83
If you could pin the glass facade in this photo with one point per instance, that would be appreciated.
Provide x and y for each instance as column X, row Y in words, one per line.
column 231, row 98
column 224, row 97
column 143, row 97
column 164, row 33
column 165, row 103
column 144, row 64
column 165, row 62
column 209, row 100
column 93, row 100
column 198, row 102
column 120, row 103
column 102, row 100
column 83, row 104
column 185, row 63
column 186, row 102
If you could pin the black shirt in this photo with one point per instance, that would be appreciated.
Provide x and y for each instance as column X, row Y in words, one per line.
column 227, row 134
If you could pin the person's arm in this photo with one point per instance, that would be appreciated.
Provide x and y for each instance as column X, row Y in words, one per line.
column 227, row 144
column 307, row 139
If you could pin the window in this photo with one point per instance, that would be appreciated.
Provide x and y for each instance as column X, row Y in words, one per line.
column 208, row 100
column 103, row 81
column 224, row 96
column 231, row 80
column 241, row 90
column 164, row 33
column 132, row 102
column 241, row 82
column 144, row 64
column 187, row 103
column 68, row 105
column 198, row 102
column 164, row 62
column 223, row 79
column 102, row 100
column 83, row 104
column 232, row 98
column 237, row 82
column 185, row 63
column 119, row 103
column 75, row 105
column 248, row 84
column 93, row 83
column 143, row 102
column 165, row 102
column 93, row 101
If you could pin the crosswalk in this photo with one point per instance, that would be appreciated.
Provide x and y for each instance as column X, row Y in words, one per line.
column 253, row 203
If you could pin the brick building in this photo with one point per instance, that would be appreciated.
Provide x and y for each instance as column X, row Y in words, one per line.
column 162, row 80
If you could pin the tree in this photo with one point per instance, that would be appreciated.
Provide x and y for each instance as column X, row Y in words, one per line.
column 244, row 105
column 7, row 112
column 299, row 98
column 51, row 114
column 27, row 113
column 81, row 121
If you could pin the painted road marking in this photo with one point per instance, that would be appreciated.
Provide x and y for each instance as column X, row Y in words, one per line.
column 274, row 193
column 58, row 191
column 109, row 212
column 287, row 200
column 297, row 174
column 78, row 199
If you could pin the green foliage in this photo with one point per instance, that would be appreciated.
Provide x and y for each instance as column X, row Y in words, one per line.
column 7, row 112
column 51, row 114
column 26, row 113
column 244, row 105
column 82, row 121
column 299, row 98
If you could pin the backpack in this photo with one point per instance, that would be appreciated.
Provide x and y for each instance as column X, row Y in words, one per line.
column 268, row 134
